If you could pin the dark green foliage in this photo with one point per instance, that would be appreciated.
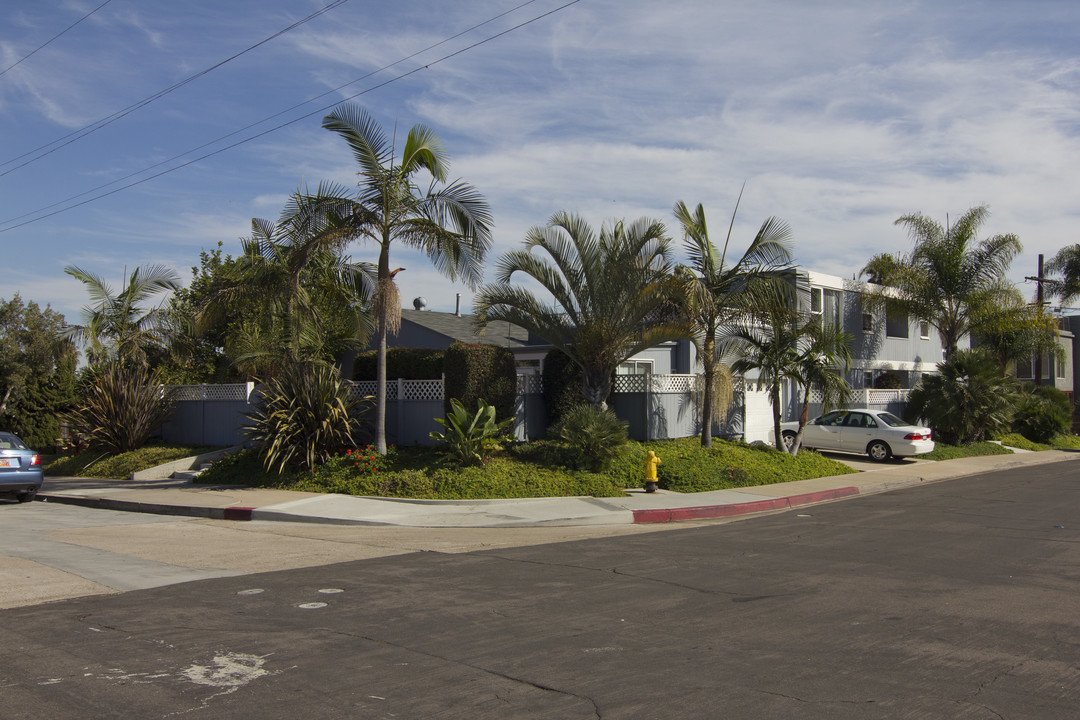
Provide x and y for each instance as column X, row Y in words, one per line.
column 470, row 436
column 590, row 437
column 475, row 371
column 37, row 372
column 404, row 363
column 888, row 381
column 304, row 416
column 1042, row 412
column 123, row 407
column 967, row 400
column 562, row 385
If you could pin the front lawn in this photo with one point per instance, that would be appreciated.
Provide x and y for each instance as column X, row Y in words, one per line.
column 531, row 470
column 96, row 464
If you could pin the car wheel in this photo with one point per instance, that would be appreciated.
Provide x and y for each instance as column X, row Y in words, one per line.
column 878, row 451
column 789, row 439
column 25, row 496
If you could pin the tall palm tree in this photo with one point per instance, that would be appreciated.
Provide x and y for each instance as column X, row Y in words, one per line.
column 288, row 276
column 718, row 294
column 949, row 279
column 449, row 222
column 612, row 294
column 115, row 324
column 821, row 366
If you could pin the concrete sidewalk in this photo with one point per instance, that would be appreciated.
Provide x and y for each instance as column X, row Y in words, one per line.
column 181, row 497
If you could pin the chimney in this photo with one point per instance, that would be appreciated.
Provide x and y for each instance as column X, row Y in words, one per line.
column 457, row 308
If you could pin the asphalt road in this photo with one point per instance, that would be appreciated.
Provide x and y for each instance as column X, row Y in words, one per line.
column 955, row 600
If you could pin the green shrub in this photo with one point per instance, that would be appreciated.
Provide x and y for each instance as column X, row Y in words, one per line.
column 470, row 436
column 1042, row 413
column 124, row 405
column 480, row 371
column 562, row 385
column 1065, row 442
column 590, row 437
column 404, row 363
column 967, row 400
column 303, row 416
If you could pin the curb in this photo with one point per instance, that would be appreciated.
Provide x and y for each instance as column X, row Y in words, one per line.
column 211, row 513
column 714, row 511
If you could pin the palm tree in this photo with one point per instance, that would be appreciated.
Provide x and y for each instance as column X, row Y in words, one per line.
column 450, row 223
column 949, row 279
column 1066, row 264
column 613, row 294
column 304, row 299
column 115, row 324
column 821, row 366
column 717, row 294
column 772, row 343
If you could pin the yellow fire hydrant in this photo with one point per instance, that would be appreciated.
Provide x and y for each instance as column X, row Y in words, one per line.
column 651, row 461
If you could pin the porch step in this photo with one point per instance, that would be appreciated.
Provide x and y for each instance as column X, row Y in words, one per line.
column 189, row 474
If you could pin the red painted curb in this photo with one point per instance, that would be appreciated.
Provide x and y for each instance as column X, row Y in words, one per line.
column 713, row 511
column 238, row 513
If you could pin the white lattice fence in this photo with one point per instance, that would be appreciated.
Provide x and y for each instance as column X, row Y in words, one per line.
column 402, row 389
column 235, row 391
column 655, row 383
column 531, row 384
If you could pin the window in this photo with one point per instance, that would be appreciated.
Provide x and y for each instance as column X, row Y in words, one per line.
column 635, row 367
column 1025, row 369
column 830, row 308
column 896, row 321
column 924, row 330
column 815, row 300
column 867, row 323
column 1060, row 368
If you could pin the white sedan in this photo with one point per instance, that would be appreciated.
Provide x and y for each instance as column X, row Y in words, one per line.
column 874, row 432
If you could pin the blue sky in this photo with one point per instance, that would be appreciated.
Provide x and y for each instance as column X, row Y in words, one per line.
column 840, row 116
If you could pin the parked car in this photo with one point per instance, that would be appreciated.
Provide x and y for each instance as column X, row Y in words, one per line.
column 20, row 468
column 879, row 434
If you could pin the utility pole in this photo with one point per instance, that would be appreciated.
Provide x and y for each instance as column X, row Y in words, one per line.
column 1039, row 280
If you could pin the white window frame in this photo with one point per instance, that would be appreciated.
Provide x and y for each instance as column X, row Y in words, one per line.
column 924, row 330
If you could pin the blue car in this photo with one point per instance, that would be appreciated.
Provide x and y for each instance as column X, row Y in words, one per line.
column 20, row 468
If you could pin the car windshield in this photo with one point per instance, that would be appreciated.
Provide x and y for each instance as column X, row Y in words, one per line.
column 892, row 420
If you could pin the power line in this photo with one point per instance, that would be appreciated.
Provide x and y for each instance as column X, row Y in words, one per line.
column 54, row 37
column 82, row 132
column 276, row 127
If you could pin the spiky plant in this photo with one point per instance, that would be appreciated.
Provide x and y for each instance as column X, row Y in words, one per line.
column 591, row 436
column 303, row 416
column 125, row 404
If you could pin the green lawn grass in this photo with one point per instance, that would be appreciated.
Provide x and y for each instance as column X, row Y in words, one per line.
column 101, row 465
column 532, row 470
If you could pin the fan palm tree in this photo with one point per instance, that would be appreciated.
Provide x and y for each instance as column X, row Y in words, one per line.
column 949, row 279
column 449, row 222
column 718, row 294
column 115, row 324
column 613, row 294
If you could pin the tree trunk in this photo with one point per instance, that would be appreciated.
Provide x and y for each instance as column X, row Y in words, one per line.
column 778, row 438
column 596, row 386
column 709, row 364
column 380, row 391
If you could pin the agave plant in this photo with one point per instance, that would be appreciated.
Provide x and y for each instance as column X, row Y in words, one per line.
column 125, row 404
column 468, row 435
column 303, row 416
